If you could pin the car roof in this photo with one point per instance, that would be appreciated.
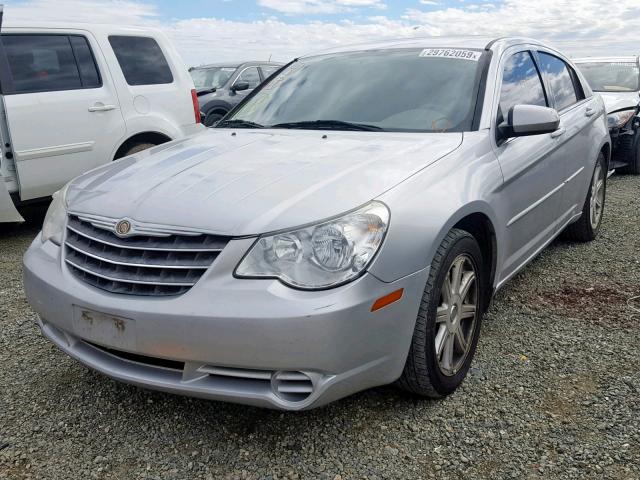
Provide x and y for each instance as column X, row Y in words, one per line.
column 104, row 28
column 470, row 41
column 623, row 59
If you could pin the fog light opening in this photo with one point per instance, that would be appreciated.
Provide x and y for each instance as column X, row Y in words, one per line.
column 291, row 386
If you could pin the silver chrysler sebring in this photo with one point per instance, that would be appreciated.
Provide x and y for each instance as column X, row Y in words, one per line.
column 345, row 226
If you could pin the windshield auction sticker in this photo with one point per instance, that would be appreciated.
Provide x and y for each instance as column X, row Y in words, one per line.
column 454, row 53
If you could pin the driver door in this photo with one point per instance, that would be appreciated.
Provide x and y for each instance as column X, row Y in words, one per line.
column 531, row 193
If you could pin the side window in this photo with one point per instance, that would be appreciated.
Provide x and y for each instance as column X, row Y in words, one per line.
column 267, row 70
column 521, row 84
column 41, row 63
column 141, row 60
column 560, row 81
column 86, row 63
column 251, row 76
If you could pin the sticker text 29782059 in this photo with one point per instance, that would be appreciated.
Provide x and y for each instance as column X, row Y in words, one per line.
column 454, row 53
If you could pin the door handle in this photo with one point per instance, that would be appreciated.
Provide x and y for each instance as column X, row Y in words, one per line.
column 100, row 107
column 589, row 112
column 558, row 133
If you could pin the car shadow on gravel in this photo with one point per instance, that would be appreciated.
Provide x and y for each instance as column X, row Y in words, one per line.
column 33, row 215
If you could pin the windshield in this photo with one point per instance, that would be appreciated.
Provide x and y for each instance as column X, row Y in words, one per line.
column 212, row 77
column 407, row 90
column 612, row 76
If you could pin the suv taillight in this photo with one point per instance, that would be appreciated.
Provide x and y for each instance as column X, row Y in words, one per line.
column 196, row 104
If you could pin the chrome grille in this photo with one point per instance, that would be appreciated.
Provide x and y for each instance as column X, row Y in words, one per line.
column 154, row 264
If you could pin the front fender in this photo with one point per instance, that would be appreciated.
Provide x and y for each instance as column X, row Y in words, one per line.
column 427, row 206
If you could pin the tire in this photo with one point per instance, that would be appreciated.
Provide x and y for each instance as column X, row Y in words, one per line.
column 138, row 147
column 211, row 118
column 629, row 152
column 425, row 371
column 586, row 229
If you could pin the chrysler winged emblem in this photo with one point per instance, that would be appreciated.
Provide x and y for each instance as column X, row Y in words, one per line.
column 123, row 227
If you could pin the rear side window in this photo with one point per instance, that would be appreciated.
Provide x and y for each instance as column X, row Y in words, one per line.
column 521, row 84
column 141, row 60
column 45, row 63
column 267, row 70
column 40, row 63
column 560, row 80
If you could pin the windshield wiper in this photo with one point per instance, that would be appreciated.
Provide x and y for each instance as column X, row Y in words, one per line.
column 239, row 123
column 328, row 125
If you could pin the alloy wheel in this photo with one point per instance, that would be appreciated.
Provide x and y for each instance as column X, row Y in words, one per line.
column 597, row 196
column 456, row 315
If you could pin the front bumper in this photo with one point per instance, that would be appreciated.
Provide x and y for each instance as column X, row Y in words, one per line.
column 230, row 339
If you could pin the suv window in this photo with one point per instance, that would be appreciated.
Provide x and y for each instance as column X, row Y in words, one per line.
column 141, row 60
column 267, row 70
column 521, row 84
column 86, row 63
column 41, row 63
column 251, row 76
column 560, row 80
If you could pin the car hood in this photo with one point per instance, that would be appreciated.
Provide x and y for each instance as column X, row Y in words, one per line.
column 620, row 101
column 255, row 181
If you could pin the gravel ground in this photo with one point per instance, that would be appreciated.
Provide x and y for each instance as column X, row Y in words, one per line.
column 554, row 392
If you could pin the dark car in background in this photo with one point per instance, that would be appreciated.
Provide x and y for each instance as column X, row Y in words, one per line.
column 222, row 86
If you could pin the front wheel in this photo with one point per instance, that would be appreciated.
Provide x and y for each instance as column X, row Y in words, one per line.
column 448, row 324
column 587, row 227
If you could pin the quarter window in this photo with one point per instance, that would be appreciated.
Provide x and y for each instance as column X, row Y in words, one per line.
column 250, row 76
column 560, row 81
column 141, row 60
column 41, row 63
column 521, row 84
column 86, row 64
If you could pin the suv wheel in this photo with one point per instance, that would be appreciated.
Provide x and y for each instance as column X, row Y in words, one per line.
column 587, row 227
column 213, row 117
column 448, row 324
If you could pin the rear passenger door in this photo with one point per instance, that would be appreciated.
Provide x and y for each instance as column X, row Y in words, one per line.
column 576, row 160
column 530, row 197
column 62, row 109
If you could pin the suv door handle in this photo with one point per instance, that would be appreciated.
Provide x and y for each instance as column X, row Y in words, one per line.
column 100, row 107
column 558, row 133
column 589, row 112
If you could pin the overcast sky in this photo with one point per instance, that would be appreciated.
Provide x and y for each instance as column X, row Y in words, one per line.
column 219, row 30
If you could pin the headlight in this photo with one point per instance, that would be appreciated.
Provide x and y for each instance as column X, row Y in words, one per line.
column 320, row 256
column 54, row 221
column 619, row 119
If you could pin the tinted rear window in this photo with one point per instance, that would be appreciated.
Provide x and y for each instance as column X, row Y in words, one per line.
column 40, row 63
column 141, row 60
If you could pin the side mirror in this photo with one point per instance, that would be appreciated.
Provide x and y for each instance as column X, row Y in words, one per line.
column 240, row 86
column 525, row 120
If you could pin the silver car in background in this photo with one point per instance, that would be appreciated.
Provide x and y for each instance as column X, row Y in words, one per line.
column 345, row 227
column 617, row 79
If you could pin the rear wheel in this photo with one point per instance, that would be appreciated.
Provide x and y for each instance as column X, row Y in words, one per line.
column 138, row 147
column 587, row 227
column 448, row 324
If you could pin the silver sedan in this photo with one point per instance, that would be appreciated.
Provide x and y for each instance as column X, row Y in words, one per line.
column 345, row 227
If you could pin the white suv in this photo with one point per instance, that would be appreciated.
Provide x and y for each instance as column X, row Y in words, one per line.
column 74, row 97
